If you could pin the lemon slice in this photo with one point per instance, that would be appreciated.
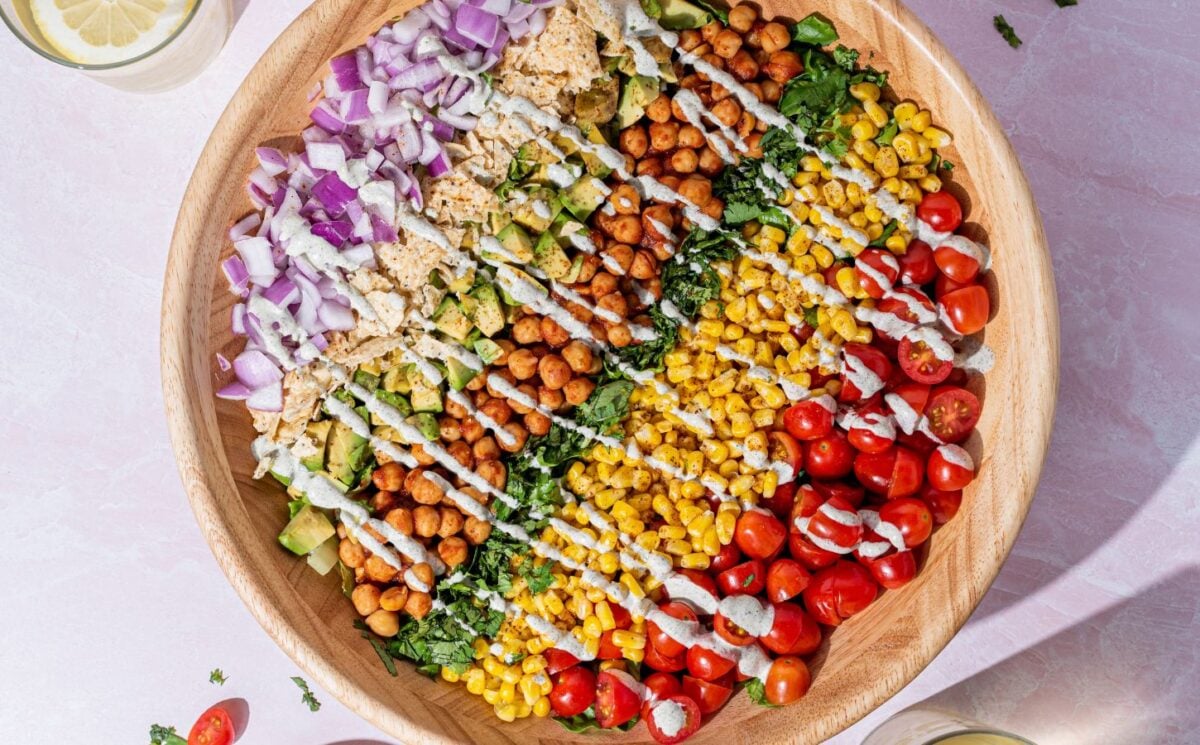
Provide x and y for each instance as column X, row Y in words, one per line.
column 99, row 32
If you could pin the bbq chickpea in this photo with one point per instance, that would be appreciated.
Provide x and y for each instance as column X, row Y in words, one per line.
column 714, row 209
column 727, row 43
column 652, row 167
column 448, row 429
column 578, row 355
column 644, row 266
column 771, row 90
column 471, row 431
column 684, row 160
column 554, row 370
column 774, row 36
column 713, row 59
column 418, row 605
column 741, row 18
column 697, row 190
column 378, row 570
column 728, row 112
column 351, row 554
column 476, row 530
column 591, row 265
column 622, row 253
column 527, row 391
column 502, row 373
column 689, row 39
column 670, row 181
column 653, row 217
column 625, row 200
column 710, row 164
column 461, row 452
column 578, row 390
column 619, row 336
column 453, row 551
column 365, row 599
column 746, row 124
column 388, row 477
column 527, row 330
column 497, row 409
column 664, row 136
column 709, row 31
column 754, row 145
column 537, row 423
column 475, row 383
column 633, row 141
column 743, row 66
column 384, row 623
column 506, row 346
column 394, row 598
column 554, row 334
column 602, row 284
column 401, row 519
column 516, row 440
column 485, row 449
column 481, row 398
column 627, row 229
column 383, row 501
column 783, row 66
column 454, row 408
column 615, row 304
column 426, row 521
column 691, row 136
column 522, row 364
column 422, row 456
column 658, row 111
column 423, row 573
column 452, row 521
column 424, row 491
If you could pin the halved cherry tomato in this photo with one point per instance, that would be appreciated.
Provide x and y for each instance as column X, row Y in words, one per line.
column 892, row 571
column 943, row 505
column 824, row 490
column 665, row 717
column 879, row 264
column 908, row 473
column 953, row 412
column 731, row 632
column 810, row 419
column 703, row 579
column 786, row 578
column 944, row 286
column 729, row 555
column 783, row 448
column 759, row 534
column 941, row 211
column 836, row 522
column 621, row 617
column 955, row 264
column 915, row 394
column 573, row 692
column 896, row 472
column 807, row 553
column 919, row 362
column 917, row 266
column 609, row 650
column 214, row 727
column 747, row 578
column 558, row 660
column 656, row 660
column 792, row 631
column 830, row 457
column 840, row 591
column 787, row 681
column 617, row 699
column 659, row 686
column 967, row 309
column 900, row 303
column 663, row 642
column 911, row 516
column 706, row 664
column 871, row 435
column 949, row 473
column 710, row 695
column 780, row 503
column 863, row 359
column 917, row 442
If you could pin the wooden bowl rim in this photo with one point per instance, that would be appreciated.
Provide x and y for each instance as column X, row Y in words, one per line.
column 195, row 435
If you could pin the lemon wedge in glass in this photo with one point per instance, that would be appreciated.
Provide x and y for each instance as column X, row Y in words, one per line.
column 99, row 32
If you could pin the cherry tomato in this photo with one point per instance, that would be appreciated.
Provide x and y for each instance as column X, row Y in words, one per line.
column 617, row 699
column 944, row 286
column 807, row 553
column 703, row 579
column 896, row 472
column 573, row 692
column 792, row 631
column 710, row 695
column 941, row 211
column 787, row 681
column 893, row 570
column 900, row 304
column 943, row 505
column 967, row 309
column 621, row 617
column 825, row 490
column 706, row 664
column 915, row 394
column 747, row 578
column 659, row 686
column 908, row 473
column 911, row 517
column 664, row 643
column 780, row 503
column 871, row 439
column 558, row 660
column 839, row 591
column 214, row 727
column 679, row 706
column 810, row 419
column 917, row 266
column 879, row 265
column 946, row 469
column 830, row 457
column 919, row 362
column 731, row 632
column 866, row 361
column 953, row 412
column 729, row 555
column 786, row 578
column 783, row 448
column 836, row 522
column 955, row 264
column 608, row 650
column 759, row 534
column 656, row 660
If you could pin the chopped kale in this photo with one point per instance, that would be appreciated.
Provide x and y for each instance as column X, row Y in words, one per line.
column 1007, row 31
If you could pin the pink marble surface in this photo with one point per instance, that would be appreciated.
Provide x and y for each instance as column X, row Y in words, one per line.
column 114, row 610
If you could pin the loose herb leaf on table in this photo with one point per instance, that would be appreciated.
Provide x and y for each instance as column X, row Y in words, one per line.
column 1007, row 31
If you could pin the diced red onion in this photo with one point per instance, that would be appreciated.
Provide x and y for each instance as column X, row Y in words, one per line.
column 518, row 29
column 420, row 76
column 235, row 391
column 334, row 194
column 354, row 109
column 335, row 232
column 256, row 369
column 380, row 231
column 374, row 159
column 223, row 362
column 243, row 227
column 271, row 160
column 336, row 317
column 495, row 7
column 407, row 29
column 377, row 98
column 324, row 117
column 537, row 22
column 327, row 156
column 283, row 292
column 237, row 320
column 346, row 74
column 465, row 123
column 440, row 165
column 265, row 183
column 258, row 260
column 236, row 273
column 269, row 398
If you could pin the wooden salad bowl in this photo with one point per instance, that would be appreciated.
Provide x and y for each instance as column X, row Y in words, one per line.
column 865, row 661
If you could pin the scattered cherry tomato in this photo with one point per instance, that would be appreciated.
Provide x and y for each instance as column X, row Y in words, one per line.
column 731, row 632
column 941, row 211
column 681, row 706
column 573, row 692
column 911, row 516
column 839, row 591
column 943, row 505
column 706, row 664
column 824, row 490
column 836, row 522
column 830, row 457
column 667, row 663
column 663, row 642
column 870, row 436
column 808, row 553
column 949, row 473
column 710, row 695
column 944, row 286
column 786, row 578
column 953, row 412
column 728, row 556
column 608, row 649
column 915, row 395
column 214, row 727
column 809, row 420
column 879, row 265
column 617, row 700
column 892, row 571
column 792, row 631
column 779, row 503
column 747, row 578
column 967, row 309
column 919, row 362
column 917, row 266
column 759, row 534
column 659, row 686
column 787, row 680
column 896, row 472
column 783, row 448
column 955, row 264
column 557, row 660
column 863, row 359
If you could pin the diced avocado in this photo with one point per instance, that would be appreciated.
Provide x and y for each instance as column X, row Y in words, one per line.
column 347, row 575
column 488, row 317
column 425, row 397
column 318, row 432
column 435, row 279
column 538, row 211
column 459, row 374
column 450, row 319
column 497, row 221
column 428, row 425
column 636, row 95
column 516, row 243
column 366, row 379
column 583, row 197
column 594, row 165
column 488, row 350
column 324, row 557
column 661, row 54
column 306, row 531
column 396, row 379
column 346, row 454
column 680, row 14
column 463, row 283
column 598, row 104
column 550, row 257
column 576, row 268
column 396, row 401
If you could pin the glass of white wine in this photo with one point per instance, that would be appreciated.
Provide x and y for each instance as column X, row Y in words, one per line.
column 926, row 726
column 135, row 45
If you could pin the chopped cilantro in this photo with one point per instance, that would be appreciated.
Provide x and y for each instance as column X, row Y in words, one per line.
column 308, row 698
column 160, row 735
column 1066, row 3
column 1007, row 31
column 648, row 355
column 217, row 676
column 810, row 317
column 889, row 132
column 821, row 93
column 689, row 280
column 816, row 30
column 758, row 693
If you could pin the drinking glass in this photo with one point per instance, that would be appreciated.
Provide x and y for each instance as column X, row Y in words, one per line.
column 925, row 726
column 148, row 45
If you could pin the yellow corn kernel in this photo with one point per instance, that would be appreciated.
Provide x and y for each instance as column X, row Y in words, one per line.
column 930, row 183
column 677, row 547
column 604, row 616
column 865, row 91
column 480, row 649
column 891, row 184
column 508, row 693
column 834, row 193
column 530, row 690
column 450, row 676
column 648, row 541
column 695, row 560
column 741, row 424
column 622, row 511
column 699, row 524
column 632, row 527
column 866, row 149
column 809, row 193
column 785, row 198
column 710, row 542
column 805, row 264
column 628, row 639
column 906, row 147
column 822, row 255
column 937, row 137
column 541, row 708
column 773, row 233
column 631, row 583
column 692, row 489
column 876, row 113
column 741, row 485
column 909, row 192
column 886, row 161
column 904, row 113
column 592, row 628
column 921, row 121
column 608, row 563
column 726, row 522
column 476, row 681
column 493, row 666
column 672, row 532
column 864, row 129
column 534, row 663
column 511, row 674
column 843, row 324
column 536, row 645
column 763, row 418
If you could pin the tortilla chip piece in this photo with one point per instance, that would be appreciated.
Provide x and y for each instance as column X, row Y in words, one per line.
column 567, row 47
column 457, row 197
